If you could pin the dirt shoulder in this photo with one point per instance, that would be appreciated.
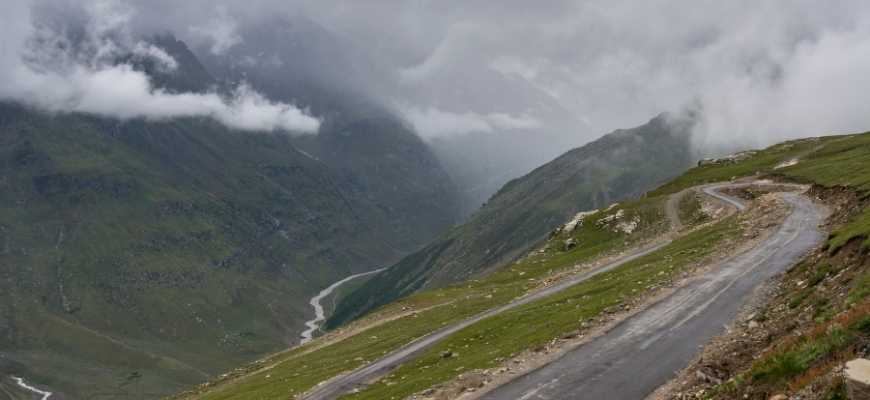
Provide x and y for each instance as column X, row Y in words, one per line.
column 801, row 306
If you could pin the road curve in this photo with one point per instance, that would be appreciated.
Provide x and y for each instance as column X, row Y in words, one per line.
column 646, row 350
column 345, row 383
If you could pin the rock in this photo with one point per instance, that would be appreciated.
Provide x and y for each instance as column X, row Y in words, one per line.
column 569, row 244
column 858, row 379
column 447, row 354
column 752, row 325
column 779, row 397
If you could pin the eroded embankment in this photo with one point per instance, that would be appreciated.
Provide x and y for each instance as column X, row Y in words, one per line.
column 794, row 340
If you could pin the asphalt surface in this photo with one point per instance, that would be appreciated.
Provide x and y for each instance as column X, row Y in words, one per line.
column 648, row 349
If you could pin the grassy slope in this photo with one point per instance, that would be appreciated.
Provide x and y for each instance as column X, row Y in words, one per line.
column 486, row 344
column 622, row 164
column 296, row 371
column 293, row 372
column 161, row 251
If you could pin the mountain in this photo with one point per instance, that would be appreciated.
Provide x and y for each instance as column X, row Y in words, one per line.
column 619, row 165
column 138, row 257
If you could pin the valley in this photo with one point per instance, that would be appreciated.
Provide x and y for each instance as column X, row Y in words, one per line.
column 434, row 200
column 492, row 341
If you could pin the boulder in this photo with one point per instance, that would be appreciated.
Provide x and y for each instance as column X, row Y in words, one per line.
column 858, row 379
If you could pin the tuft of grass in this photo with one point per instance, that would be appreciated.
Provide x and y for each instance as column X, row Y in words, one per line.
column 790, row 363
column 861, row 290
column 857, row 228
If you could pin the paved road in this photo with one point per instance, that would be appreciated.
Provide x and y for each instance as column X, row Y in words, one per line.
column 357, row 378
column 646, row 350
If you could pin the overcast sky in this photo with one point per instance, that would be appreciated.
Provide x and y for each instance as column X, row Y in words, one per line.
column 760, row 71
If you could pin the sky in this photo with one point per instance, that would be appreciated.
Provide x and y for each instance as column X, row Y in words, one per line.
column 548, row 74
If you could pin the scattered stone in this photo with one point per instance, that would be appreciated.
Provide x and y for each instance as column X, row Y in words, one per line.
column 569, row 244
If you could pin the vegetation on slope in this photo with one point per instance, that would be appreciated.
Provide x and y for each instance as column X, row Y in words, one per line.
column 820, row 315
column 619, row 165
column 524, row 328
column 299, row 369
column 167, row 251
column 487, row 343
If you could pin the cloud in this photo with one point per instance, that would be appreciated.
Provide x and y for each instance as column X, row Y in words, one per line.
column 148, row 51
column 222, row 31
column 563, row 71
column 43, row 68
column 431, row 122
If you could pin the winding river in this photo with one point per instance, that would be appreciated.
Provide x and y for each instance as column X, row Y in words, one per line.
column 319, row 315
column 21, row 383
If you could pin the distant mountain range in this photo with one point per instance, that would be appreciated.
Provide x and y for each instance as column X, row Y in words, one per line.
column 622, row 164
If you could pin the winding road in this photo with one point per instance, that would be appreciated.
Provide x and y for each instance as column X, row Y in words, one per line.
column 616, row 365
column 646, row 350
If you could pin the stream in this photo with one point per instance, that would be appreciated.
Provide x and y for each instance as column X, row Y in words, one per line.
column 319, row 315
column 21, row 383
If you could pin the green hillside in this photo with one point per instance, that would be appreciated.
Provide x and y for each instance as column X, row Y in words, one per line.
column 484, row 344
column 620, row 165
column 165, row 252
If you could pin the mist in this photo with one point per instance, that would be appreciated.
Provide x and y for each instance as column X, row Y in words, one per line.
column 498, row 87
column 65, row 59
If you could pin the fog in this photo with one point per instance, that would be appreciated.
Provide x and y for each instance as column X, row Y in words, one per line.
column 520, row 81
column 65, row 60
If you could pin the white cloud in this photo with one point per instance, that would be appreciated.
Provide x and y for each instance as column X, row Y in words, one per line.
column 146, row 50
column 431, row 122
column 222, row 31
column 58, row 79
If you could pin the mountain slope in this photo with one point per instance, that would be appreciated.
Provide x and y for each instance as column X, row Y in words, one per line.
column 139, row 257
column 619, row 165
column 827, row 293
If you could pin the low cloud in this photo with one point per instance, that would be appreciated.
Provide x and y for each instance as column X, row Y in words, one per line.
column 43, row 68
column 221, row 31
column 432, row 122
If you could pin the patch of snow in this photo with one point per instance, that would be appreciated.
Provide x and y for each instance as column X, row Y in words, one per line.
column 305, row 153
column 628, row 227
column 612, row 217
column 787, row 163
column 577, row 220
